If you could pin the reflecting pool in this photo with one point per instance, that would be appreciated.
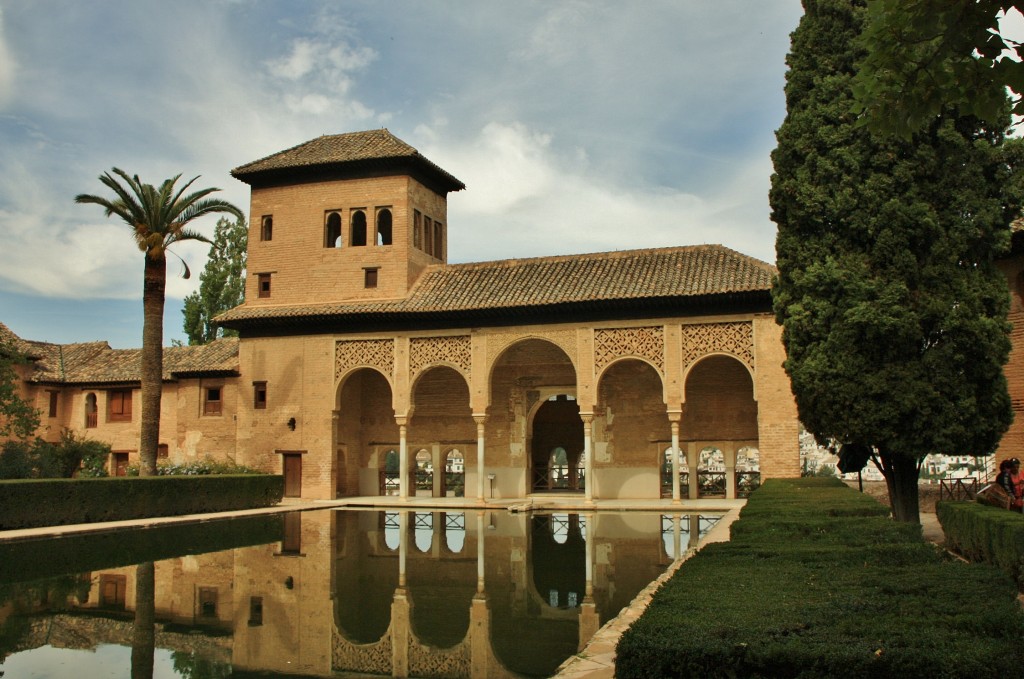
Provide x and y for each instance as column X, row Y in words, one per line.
column 330, row 593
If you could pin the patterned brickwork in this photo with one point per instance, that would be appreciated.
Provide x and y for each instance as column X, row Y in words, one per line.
column 425, row 351
column 736, row 338
column 378, row 353
column 614, row 343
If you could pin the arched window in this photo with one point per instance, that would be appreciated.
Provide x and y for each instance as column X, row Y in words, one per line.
column 332, row 231
column 455, row 531
column 267, row 228
column 423, row 530
column 91, row 411
column 454, row 474
column 558, row 469
column 358, row 228
column 392, row 531
column 424, row 472
column 389, row 474
column 384, row 227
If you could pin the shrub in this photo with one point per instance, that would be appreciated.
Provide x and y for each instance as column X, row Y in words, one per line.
column 204, row 467
column 814, row 583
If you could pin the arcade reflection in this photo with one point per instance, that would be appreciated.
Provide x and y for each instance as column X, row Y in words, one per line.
column 395, row 593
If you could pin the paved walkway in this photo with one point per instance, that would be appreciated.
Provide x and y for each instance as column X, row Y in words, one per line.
column 561, row 503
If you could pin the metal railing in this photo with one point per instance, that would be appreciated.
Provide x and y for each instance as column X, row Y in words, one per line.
column 389, row 482
column 558, row 478
column 711, row 483
column 747, row 483
column 958, row 489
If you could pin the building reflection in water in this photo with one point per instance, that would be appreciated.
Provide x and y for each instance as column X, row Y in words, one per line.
column 406, row 593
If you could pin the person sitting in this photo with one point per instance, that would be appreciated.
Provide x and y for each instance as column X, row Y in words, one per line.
column 1009, row 479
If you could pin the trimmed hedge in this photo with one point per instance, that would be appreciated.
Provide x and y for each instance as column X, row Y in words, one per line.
column 57, row 502
column 815, row 584
column 985, row 534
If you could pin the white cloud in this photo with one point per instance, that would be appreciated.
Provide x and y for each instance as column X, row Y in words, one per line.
column 523, row 199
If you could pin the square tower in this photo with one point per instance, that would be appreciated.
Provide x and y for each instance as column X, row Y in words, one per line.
column 344, row 218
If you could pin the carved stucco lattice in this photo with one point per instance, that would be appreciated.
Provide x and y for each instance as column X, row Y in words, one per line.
column 563, row 339
column 449, row 662
column 377, row 353
column 613, row 343
column 424, row 351
column 369, row 658
column 735, row 338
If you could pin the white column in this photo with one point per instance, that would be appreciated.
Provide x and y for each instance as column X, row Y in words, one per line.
column 588, row 434
column 479, row 419
column 589, row 551
column 675, row 460
column 403, row 461
column 403, row 545
column 479, row 552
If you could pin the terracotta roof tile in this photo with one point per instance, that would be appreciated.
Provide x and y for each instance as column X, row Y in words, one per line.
column 97, row 363
column 654, row 274
column 340, row 150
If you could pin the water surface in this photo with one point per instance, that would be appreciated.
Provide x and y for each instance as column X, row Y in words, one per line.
column 331, row 592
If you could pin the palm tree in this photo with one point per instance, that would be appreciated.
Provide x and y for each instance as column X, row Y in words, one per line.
column 158, row 218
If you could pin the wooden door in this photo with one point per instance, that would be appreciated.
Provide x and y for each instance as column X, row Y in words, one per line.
column 292, row 475
column 120, row 464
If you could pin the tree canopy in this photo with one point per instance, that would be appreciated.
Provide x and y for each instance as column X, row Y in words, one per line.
column 222, row 283
column 894, row 313
column 924, row 56
column 17, row 416
column 157, row 218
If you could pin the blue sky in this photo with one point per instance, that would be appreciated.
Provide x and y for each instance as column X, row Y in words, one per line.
column 577, row 126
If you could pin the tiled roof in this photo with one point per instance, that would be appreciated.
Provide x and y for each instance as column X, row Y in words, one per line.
column 524, row 285
column 7, row 337
column 97, row 363
column 372, row 147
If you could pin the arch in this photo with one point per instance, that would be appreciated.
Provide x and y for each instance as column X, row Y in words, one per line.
column 632, row 417
column 267, row 227
column 423, row 472
column 366, row 431
column 91, row 411
column 352, row 370
column 357, row 228
column 534, row 345
column 332, row 230
column 423, row 530
column 454, row 531
column 632, row 357
column 711, row 471
column 719, row 401
column 713, row 354
column 558, row 551
column 383, row 229
column 556, row 450
column 454, row 473
column 417, row 379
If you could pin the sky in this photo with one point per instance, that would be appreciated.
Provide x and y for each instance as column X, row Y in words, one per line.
column 577, row 126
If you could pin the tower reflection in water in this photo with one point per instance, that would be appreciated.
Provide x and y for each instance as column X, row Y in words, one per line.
column 399, row 593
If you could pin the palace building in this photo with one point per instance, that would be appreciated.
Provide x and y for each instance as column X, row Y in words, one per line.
column 367, row 364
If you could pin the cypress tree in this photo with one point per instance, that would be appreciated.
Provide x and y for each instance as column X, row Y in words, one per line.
column 894, row 313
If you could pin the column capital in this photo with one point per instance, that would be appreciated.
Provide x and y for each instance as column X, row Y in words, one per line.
column 480, row 418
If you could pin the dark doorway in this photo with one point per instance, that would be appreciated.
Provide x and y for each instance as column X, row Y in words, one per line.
column 556, row 450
